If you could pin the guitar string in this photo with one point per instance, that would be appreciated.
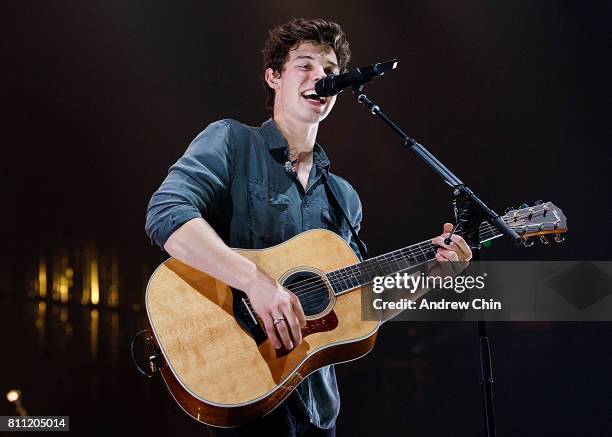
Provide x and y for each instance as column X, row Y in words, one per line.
column 307, row 286
column 311, row 291
column 392, row 260
column 385, row 260
column 310, row 288
column 488, row 229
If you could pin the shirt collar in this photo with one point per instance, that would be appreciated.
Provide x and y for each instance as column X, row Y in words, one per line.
column 274, row 139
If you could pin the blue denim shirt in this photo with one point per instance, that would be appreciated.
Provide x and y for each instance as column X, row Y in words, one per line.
column 234, row 177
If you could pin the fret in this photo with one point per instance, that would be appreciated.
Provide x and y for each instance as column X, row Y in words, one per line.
column 382, row 268
column 408, row 258
column 422, row 254
column 413, row 253
column 430, row 251
column 386, row 264
column 340, row 282
column 393, row 262
column 366, row 272
column 333, row 280
column 403, row 263
column 351, row 276
column 343, row 279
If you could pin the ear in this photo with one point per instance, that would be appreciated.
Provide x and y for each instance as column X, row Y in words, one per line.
column 272, row 78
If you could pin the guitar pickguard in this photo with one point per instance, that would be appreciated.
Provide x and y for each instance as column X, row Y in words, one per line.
column 247, row 320
column 326, row 323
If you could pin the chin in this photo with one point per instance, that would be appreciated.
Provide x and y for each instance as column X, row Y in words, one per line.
column 313, row 117
column 320, row 116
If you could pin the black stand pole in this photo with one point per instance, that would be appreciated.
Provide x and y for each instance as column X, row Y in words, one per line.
column 460, row 189
column 486, row 380
column 486, row 369
column 470, row 212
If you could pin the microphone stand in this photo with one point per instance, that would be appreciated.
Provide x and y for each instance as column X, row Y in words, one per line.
column 470, row 212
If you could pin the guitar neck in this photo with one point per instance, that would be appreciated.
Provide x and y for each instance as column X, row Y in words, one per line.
column 363, row 273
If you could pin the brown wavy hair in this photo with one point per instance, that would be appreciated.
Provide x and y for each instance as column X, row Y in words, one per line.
column 287, row 36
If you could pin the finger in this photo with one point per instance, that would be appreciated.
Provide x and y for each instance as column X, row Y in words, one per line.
column 460, row 244
column 299, row 311
column 438, row 241
column 294, row 326
column 283, row 331
column 457, row 265
column 292, row 320
column 447, row 228
column 271, row 331
column 448, row 255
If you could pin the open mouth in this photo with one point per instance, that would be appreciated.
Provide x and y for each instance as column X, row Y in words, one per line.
column 312, row 95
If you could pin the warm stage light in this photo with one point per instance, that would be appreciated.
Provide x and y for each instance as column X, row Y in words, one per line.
column 13, row 395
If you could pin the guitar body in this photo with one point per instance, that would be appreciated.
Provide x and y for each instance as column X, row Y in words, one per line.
column 221, row 374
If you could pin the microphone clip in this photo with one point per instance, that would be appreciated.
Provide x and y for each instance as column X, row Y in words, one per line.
column 289, row 166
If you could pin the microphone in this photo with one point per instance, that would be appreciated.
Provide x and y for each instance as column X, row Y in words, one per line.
column 335, row 83
column 289, row 167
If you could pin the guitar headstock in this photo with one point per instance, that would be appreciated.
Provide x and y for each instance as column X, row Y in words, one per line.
column 540, row 220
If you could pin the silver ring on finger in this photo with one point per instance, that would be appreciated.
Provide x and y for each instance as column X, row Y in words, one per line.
column 278, row 320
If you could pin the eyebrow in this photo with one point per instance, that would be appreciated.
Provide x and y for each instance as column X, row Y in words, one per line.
column 332, row 63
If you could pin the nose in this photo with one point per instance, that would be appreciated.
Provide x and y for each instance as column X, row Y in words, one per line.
column 318, row 73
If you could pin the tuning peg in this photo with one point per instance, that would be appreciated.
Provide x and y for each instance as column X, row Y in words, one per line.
column 523, row 206
column 527, row 242
column 559, row 238
column 537, row 202
column 543, row 239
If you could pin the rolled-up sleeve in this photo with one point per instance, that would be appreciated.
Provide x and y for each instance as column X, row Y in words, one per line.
column 194, row 185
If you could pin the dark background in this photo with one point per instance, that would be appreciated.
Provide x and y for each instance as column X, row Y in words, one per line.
column 100, row 98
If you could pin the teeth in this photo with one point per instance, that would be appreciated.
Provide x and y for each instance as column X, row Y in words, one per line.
column 311, row 94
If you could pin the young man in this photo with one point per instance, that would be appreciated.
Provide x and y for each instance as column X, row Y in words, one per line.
column 239, row 186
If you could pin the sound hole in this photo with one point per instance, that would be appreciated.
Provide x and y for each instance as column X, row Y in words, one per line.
column 310, row 289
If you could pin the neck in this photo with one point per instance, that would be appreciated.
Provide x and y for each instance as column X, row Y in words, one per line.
column 300, row 136
column 363, row 273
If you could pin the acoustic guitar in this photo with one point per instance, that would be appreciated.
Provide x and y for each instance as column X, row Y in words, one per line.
column 212, row 351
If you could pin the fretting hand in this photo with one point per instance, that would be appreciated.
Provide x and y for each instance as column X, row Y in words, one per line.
column 458, row 252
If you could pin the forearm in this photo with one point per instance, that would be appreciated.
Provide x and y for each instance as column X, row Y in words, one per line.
column 198, row 245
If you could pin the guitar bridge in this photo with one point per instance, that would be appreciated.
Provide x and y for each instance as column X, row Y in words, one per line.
column 245, row 316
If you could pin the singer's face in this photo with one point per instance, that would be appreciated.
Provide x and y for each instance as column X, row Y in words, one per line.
column 307, row 64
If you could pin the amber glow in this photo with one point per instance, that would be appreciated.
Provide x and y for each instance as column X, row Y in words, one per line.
column 113, row 290
column 95, row 282
column 39, row 321
column 94, row 325
column 13, row 395
column 98, row 277
column 42, row 278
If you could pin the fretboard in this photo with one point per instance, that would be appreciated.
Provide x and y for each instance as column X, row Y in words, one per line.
column 363, row 273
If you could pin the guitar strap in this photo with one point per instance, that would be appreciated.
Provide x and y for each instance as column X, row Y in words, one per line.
column 336, row 205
